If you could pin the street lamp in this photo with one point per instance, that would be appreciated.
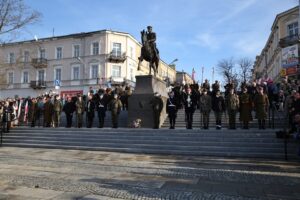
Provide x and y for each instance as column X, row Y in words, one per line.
column 169, row 65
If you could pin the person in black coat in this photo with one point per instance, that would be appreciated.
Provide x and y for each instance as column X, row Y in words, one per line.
column 189, row 100
column 218, row 106
column 69, row 109
column 90, row 111
column 101, row 104
column 172, row 109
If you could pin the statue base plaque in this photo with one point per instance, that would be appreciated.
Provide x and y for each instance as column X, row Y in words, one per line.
column 139, row 102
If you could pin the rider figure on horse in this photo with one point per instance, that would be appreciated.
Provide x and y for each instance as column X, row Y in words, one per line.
column 151, row 38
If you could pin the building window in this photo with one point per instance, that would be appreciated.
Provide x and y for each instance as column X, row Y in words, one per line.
column 131, row 74
column 25, row 77
column 76, row 50
column 12, row 57
column 10, row 78
column 58, row 74
column 292, row 29
column 26, row 56
column 75, row 73
column 42, row 53
column 116, row 49
column 95, row 48
column 116, row 71
column 41, row 76
column 94, row 71
column 58, row 52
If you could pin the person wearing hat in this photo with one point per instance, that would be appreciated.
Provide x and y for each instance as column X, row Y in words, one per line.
column 205, row 108
column 190, row 104
column 157, row 106
column 79, row 110
column 115, row 107
column 151, row 38
column 261, row 105
column 171, row 109
column 90, row 111
column 218, row 106
column 232, row 105
column 245, row 108
column 57, row 105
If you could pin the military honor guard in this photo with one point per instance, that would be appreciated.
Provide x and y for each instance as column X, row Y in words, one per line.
column 261, row 105
column 57, row 111
column 171, row 109
column 190, row 103
column 245, row 108
column 115, row 107
column 80, row 107
column 232, row 105
column 218, row 106
column 205, row 104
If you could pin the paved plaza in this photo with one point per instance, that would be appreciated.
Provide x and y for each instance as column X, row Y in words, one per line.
column 54, row 173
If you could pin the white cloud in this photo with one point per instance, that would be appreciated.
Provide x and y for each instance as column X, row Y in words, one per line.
column 206, row 40
column 249, row 46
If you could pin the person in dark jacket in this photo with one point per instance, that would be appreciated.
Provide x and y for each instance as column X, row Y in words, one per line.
column 190, row 103
column 218, row 106
column 69, row 108
column 90, row 111
column 171, row 109
column 101, row 103
column 48, row 112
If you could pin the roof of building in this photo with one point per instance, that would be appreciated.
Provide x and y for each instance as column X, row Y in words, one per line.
column 283, row 14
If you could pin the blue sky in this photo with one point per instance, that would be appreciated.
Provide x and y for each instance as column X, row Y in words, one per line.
column 198, row 33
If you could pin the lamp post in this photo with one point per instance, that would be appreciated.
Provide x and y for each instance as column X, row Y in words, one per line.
column 169, row 65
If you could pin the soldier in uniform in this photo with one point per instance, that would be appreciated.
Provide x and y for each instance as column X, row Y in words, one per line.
column 33, row 112
column 232, row 105
column 261, row 105
column 90, row 110
column 48, row 112
column 102, row 107
column 190, row 102
column 218, row 106
column 157, row 106
column 171, row 109
column 79, row 111
column 57, row 111
column 151, row 38
column 69, row 109
column 115, row 107
column 245, row 108
column 205, row 108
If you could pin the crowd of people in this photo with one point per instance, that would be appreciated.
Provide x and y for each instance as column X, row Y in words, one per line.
column 46, row 110
column 253, row 100
column 249, row 100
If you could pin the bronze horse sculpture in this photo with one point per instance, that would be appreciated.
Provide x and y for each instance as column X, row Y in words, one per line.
column 148, row 54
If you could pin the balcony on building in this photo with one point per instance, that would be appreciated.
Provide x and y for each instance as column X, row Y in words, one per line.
column 39, row 62
column 289, row 40
column 116, row 57
column 38, row 84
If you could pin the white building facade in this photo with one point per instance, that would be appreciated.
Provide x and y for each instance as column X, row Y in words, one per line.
column 73, row 63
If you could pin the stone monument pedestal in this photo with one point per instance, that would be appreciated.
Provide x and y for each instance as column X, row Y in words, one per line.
column 139, row 102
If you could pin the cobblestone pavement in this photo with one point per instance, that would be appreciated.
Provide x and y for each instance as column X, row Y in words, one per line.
column 32, row 173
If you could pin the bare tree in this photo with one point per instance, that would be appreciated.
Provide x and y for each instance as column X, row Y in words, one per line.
column 14, row 16
column 226, row 68
column 245, row 65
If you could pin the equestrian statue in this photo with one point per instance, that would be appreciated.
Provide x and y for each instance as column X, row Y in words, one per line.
column 149, row 51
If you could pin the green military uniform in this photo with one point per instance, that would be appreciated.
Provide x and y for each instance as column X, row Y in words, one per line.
column 157, row 106
column 232, row 105
column 261, row 104
column 57, row 106
column 79, row 112
column 115, row 106
column 48, row 111
column 245, row 109
column 205, row 108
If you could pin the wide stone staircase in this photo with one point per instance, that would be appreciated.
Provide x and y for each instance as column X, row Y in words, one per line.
column 252, row 143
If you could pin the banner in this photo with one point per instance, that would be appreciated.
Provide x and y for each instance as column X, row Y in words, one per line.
column 290, row 56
